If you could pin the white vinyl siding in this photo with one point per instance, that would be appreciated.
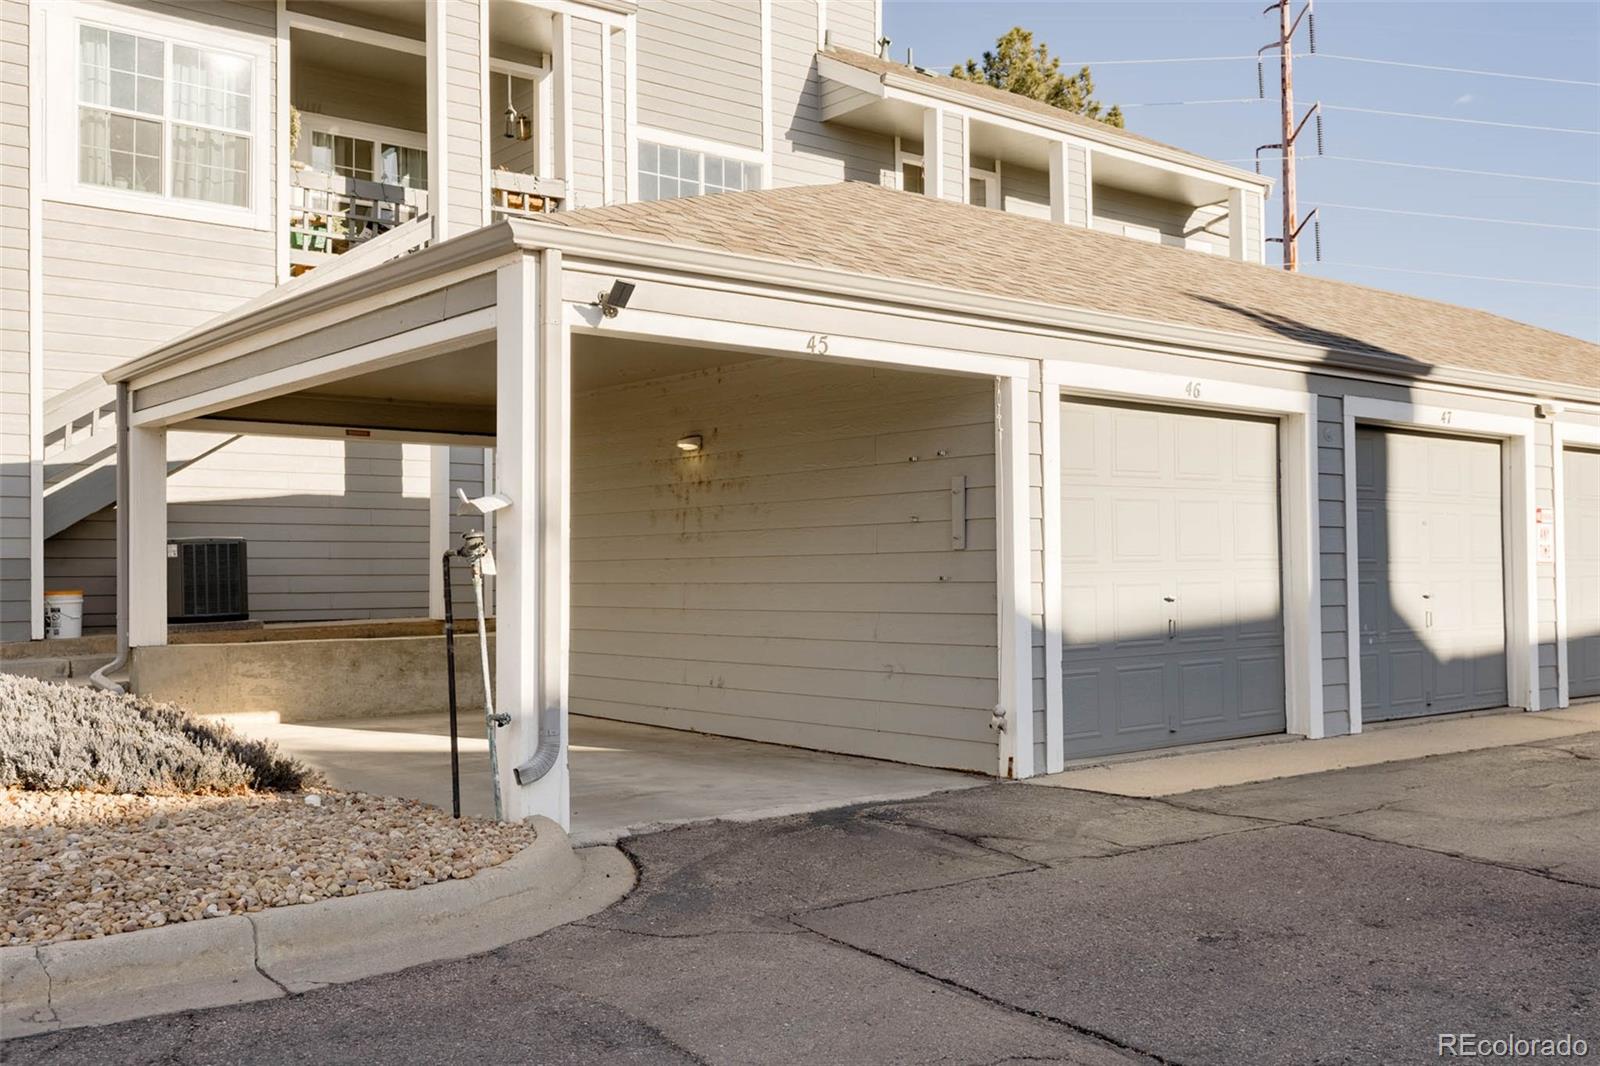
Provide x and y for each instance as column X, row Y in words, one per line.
column 806, row 150
column 588, row 126
column 954, row 157
column 700, row 69
column 1159, row 221
column 15, row 492
column 333, row 529
column 852, row 23
column 463, row 85
column 1025, row 191
column 795, row 582
column 1544, row 498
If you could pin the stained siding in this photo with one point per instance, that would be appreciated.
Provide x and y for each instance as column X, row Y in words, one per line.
column 700, row 69
column 588, row 147
column 1335, row 596
column 805, row 150
column 15, row 493
column 463, row 84
column 1178, row 224
column 795, row 583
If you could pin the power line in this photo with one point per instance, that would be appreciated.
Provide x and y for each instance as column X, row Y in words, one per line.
column 1463, row 218
column 1345, row 59
column 1467, row 121
column 1467, row 277
column 1462, row 70
column 1447, row 170
column 1374, row 111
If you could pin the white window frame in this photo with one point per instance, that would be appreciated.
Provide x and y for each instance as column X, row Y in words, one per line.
column 334, row 126
column 991, row 186
column 685, row 142
column 901, row 158
column 60, row 26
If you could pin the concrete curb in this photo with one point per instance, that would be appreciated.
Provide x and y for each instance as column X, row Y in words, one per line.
column 287, row 950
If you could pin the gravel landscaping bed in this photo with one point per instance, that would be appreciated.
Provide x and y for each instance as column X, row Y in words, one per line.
column 76, row 865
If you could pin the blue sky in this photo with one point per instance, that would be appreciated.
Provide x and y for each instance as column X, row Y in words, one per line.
column 1555, row 40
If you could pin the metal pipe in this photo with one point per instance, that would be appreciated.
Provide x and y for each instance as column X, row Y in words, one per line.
column 99, row 678
column 450, row 675
column 492, row 721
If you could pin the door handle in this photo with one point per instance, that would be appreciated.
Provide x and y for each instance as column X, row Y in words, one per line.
column 1172, row 629
column 1427, row 619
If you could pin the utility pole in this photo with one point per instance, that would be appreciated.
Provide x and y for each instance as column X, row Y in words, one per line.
column 1291, row 131
column 1291, row 254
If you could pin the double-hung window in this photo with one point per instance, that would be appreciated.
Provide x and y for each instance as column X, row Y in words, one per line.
column 666, row 172
column 159, row 114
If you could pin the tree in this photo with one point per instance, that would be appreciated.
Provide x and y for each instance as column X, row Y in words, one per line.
column 1019, row 66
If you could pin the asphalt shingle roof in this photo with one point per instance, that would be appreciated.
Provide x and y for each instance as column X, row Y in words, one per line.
column 862, row 227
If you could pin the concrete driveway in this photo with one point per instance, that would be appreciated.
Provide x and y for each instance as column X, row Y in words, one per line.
column 1345, row 917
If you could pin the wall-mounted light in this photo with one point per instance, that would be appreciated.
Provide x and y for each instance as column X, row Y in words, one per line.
column 615, row 298
column 690, row 444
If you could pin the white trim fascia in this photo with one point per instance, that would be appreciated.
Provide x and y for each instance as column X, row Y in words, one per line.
column 517, row 70
column 406, row 347
column 561, row 64
column 1586, row 437
column 438, row 525
column 60, row 64
column 766, row 93
column 702, row 144
column 822, row 23
column 1013, row 568
column 1516, row 435
column 311, row 121
column 1088, row 189
column 966, row 160
column 344, row 31
column 656, row 326
column 608, row 162
column 877, row 22
column 630, row 105
column 933, row 153
column 1296, row 413
column 1054, row 609
column 338, row 433
column 282, row 62
column 610, row 16
column 438, row 122
column 37, row 154
column 928, row 92
column 1352, row 573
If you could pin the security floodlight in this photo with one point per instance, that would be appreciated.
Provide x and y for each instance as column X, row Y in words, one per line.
column 615, row 299
column 496, row 501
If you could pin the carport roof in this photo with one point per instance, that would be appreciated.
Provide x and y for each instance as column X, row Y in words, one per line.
column 868, row 229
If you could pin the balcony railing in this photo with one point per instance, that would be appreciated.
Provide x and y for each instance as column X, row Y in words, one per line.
column 329, row 214
column 513, row 194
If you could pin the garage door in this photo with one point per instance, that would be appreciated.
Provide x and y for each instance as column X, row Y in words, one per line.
column 1428, row 530
column 1173, row 619
column 1581, row 474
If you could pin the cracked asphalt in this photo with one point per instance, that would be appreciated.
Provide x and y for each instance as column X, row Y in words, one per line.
column 1346, row 917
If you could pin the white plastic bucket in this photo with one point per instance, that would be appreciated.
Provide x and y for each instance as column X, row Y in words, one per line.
column 63, row 613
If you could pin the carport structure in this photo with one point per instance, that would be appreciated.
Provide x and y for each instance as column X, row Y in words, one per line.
column 475, row 341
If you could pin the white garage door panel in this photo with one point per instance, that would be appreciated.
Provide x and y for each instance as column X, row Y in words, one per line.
column 1581, row 475
column 1172, row 620
column 1428, row 519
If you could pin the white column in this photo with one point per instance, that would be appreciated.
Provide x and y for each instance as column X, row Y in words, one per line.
column 1058, row 182
column 145, row 511
column 532, row 448
column 933, row 152
column 1014, row 525
column 439, row 508
column 438, row 120
column 560, row 82
column 1236, row 225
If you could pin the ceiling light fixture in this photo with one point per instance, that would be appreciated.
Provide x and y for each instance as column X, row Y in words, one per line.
column 690, row 444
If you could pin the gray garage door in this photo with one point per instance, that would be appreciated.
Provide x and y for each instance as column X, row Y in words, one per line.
column 1173, row 627
column 1428, row 527
column 1581, row 473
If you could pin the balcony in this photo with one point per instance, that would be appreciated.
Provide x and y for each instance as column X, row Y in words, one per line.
column 520, row 195
column 329, row 214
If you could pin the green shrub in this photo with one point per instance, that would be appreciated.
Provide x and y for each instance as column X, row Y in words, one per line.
column 60, row 737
